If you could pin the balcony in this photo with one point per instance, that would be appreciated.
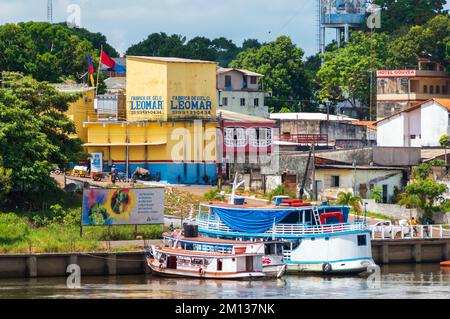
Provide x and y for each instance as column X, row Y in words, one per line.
column 305, row 139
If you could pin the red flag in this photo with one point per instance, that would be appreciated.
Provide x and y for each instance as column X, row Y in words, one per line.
column 106, row 60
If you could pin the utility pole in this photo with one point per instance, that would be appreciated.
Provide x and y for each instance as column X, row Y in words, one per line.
column 314, row 197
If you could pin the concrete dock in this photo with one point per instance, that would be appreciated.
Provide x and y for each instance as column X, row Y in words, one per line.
column 133, row 263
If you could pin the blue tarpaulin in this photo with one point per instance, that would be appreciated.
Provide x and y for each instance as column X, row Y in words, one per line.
column 251, row 221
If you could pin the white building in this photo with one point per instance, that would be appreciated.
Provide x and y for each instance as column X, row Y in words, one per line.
column 241, row 91
column 421, row 125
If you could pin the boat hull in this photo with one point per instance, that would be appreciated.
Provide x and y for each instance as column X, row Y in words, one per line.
column 333, row 268
column 179, row 273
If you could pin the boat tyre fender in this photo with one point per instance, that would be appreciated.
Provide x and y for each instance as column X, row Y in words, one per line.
column 326, row 267
column 201, row 271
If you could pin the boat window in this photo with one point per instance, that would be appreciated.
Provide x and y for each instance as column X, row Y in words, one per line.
column 292, row 218
column 197, row 261
column 362, row 240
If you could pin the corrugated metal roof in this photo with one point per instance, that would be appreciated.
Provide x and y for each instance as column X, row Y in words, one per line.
column 309, row 117
column 243, row 118
column 169, row 59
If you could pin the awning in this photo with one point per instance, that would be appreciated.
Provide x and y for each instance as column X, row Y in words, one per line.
column 123, row 144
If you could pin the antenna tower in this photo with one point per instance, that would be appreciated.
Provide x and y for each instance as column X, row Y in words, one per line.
column 50, row 11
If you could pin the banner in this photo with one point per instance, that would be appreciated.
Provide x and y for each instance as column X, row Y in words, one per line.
column 97, row 163
column 123, row 206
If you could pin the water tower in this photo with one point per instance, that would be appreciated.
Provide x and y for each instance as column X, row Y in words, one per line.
column 341, row 15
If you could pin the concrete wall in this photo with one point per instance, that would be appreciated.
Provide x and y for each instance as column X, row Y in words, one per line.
column 391, row 251
column 237, row 81
column 392, row 210
column 234, row 102
column 55, row 265
column 434, row 123
column 396, row 156
column 392, row 178
column 362, row 156
column 133, row 263
column 391, row 132
column 400, row 212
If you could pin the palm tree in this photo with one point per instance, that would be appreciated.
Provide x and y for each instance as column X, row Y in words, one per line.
column 348, row 199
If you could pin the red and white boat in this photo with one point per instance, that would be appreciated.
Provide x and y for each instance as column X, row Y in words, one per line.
column 272, row 264
column 175, row 262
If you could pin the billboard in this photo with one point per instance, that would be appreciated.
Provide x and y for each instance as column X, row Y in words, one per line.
column 352, row 12
column 122, row 206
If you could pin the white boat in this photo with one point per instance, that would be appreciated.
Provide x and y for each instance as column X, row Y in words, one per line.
column 272, row 264
column 311, row 238
column 174, row 262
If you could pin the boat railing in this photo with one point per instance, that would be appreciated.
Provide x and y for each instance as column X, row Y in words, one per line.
column 288, row 229
column 411, row 232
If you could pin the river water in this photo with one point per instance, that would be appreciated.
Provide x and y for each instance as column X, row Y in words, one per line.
column 396, row 281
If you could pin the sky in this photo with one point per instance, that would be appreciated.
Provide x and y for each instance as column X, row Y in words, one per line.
column 126, row 22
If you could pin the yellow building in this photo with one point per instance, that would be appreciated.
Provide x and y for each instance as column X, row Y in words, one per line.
column 81, row 110
column 170, row 125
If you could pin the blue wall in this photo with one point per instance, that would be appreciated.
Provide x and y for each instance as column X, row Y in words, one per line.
column 176, row 173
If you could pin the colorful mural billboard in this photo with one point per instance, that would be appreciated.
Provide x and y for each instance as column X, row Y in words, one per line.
column 123, row 206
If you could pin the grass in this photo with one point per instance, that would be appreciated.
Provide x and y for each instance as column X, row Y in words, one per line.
column 56, row 229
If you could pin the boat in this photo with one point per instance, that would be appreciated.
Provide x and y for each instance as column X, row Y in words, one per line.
column 314, row 237
column 272, row 265
column 445, row 265
column 175, row 262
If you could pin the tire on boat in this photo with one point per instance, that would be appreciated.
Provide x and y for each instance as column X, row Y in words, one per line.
column 327, row 268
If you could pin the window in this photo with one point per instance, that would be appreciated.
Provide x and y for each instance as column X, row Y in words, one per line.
column 260, row 137
column 431, row 89
column 228, row 81
column 256, row 102
column 235, row 137
column 362, row 240
column 335, row 181
column 413, row 137
column 438, row 89
column 253, row 80
column 425, row 89
column 224, row 101
column 242, row 102
column 445, row 89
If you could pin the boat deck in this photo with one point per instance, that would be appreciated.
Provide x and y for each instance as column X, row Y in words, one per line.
column 254, row 205
column 190, row 253
column 210, row 240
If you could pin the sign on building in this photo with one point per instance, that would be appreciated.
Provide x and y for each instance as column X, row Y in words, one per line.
column 123, row 206
column 97, row 163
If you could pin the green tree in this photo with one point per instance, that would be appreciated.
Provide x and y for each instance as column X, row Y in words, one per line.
column 430, row 40
column 97, row 40
column 45, row 51
column 5, row 183
column 377, row 194
column 34, row 135
column 348, row 199
column 160, row 44
column 427, row 193
column 281, row 63
column 444, row 142
column 345, row 73
column 423, row 171
column 399, row 15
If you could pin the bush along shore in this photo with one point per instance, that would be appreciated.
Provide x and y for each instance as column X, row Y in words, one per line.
column 56, row 229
